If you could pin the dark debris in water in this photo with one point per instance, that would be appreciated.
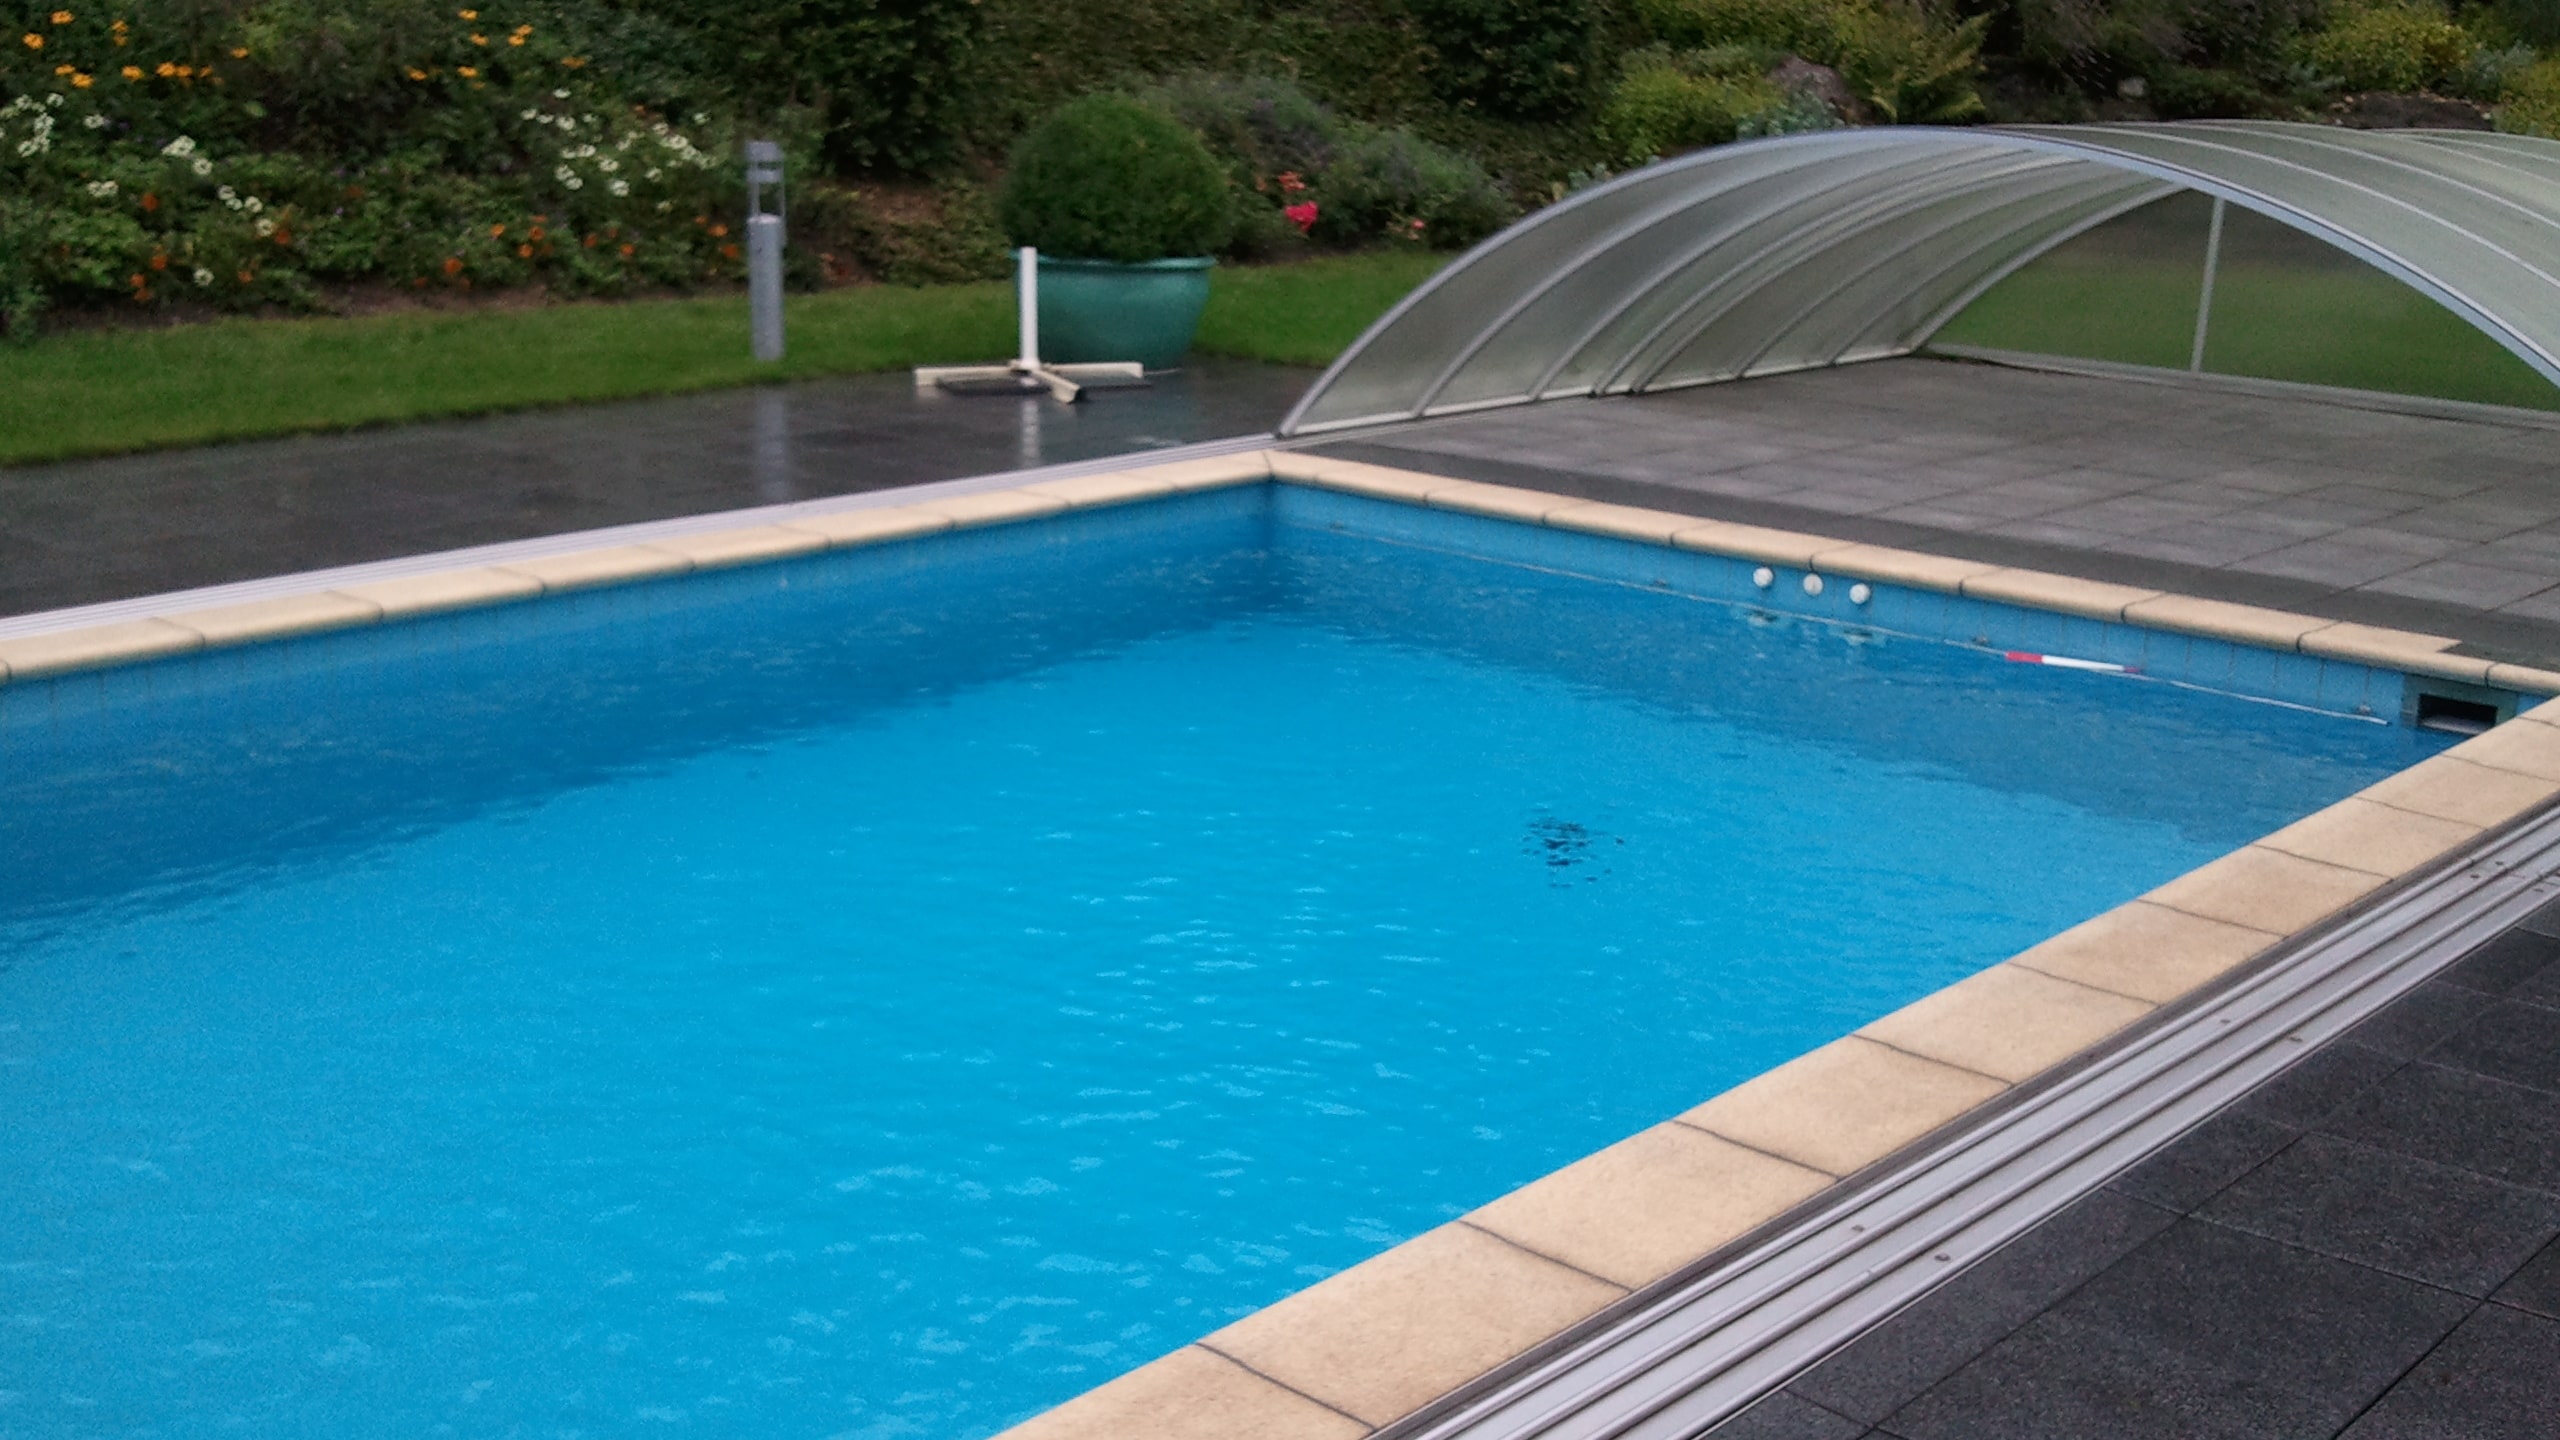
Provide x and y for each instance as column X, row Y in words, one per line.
column 1567, row 848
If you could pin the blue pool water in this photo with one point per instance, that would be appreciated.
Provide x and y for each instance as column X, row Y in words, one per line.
column 887, row 994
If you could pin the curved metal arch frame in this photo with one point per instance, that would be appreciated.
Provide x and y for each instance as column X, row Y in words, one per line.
column 2533, row 163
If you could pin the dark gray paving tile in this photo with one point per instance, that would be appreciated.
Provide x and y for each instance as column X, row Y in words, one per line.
column 2453, row 1117
column 1898, row 1360
column 2495, row 1378
column 2427, row 1222
column 2201, row 1332
column 2512, row 959
column 2412, row 1024
column 2332, row 561
column 2190, row 1169
column 2462, row 582
column 2319, row 1084
column 2508, row 1041
column 2536, row 1287
column 1787, row 1417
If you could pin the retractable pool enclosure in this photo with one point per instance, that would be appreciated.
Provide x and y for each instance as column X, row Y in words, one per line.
column 1822, row 249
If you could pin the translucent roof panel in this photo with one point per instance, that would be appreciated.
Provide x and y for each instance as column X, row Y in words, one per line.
column 1812, row 250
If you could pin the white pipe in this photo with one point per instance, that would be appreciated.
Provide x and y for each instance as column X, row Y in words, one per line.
column 1026, row 291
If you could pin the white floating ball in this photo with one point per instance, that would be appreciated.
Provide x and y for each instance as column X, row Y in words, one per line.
column 1764, row 577
column 1859, row 594
column 1813, row 584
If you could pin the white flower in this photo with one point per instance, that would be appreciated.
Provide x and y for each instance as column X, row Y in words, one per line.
column 94, row 121
column 654, row 173
column 253, row 204
column 559, row 94
column 529, row 114
column 203, row 276
column 575, row 183
column 101, row 189
column 202, row 166
column 563, row 172
column 234, row 204
column 608, row 164
column 225, row 192
column 265, row 226
column 27, row 147
column 54, row 100
column 665, row 205
column 182, row 147
column 701, row 117
column 620, row 187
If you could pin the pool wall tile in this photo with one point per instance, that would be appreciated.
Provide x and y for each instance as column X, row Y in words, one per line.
column 2266, row 889
column 1192, row 1394
column 1650, row 1204
column 1402, row 1328
column 2007, row 1022
column 1844, row 1106
column 2365, row 835
column 2146, row 952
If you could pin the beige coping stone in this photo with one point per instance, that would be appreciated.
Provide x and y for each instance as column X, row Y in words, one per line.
column 1752, row 542
column 2266, row 889
column 991, row 507
column 1373, row 480
column 1900, row 567
column 32, row 657
column 1502, row 502
column 444, row 590
column 2363, row 835
column 1404, row 1328
column 2394, row 649
column 277, row 618
column 1649, row 1204
column 1246, row 468
column 2223, row 620
column 1622, row 522
column 2525, row 678
column 1191, row 1394
column 2451, row 788
column 719, row 549
column 2146, row 951
column 1845, row 1105
column 2008, row 1022
column 611, row 565
column 2546, row 713
column 2090, row 599
column 844, row 528
column 1116, row 487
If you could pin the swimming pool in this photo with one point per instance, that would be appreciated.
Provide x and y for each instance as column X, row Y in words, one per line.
column 892, row 991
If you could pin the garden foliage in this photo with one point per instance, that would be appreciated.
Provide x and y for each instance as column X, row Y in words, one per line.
column 1108, row 178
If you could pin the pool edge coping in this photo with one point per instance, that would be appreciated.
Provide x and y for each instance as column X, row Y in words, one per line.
column 1389, row 1338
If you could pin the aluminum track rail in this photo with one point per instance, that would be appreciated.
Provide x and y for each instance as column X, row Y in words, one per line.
column 1703, row 1349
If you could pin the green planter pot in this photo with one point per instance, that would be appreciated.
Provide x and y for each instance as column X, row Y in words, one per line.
column 1096, row 310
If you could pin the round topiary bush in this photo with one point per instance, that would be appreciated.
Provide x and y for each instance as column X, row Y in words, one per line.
column 1106, row 178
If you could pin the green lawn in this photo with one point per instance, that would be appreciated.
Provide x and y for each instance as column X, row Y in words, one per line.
column 101, row 392
column 2335, row 325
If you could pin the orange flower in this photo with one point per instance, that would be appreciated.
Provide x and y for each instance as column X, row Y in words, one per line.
column 535, row 233
column 719, row 229
column 524, row 252
column 468, row 14
column 131, row 72
column 589, row 242
column 465, row 71
column 497, row 230
column 34, row 41
column 729, row 250
column 453, row 264
column 239, row 52
column 83, row 82
column 165, row 69
column 283, row 236
column 515, row 39
column 64, row 69
column 150, row 201
column 160, row 260
column 479, row 39
column 572, row 62
column 247, row 278
column 630, row 250
column 416, row 73
column 61, row 17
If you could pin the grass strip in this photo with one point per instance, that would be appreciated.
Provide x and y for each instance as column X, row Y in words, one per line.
column 108, row 391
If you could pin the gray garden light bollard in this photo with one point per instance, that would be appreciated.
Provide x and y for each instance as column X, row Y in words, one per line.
column 764, row 248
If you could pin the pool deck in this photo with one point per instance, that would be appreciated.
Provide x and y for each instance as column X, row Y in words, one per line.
column 2445, row 524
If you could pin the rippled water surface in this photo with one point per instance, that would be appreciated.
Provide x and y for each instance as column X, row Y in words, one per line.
column 888, row 994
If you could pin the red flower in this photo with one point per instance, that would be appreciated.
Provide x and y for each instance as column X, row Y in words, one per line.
column 1302, row 215
column 1290, row 184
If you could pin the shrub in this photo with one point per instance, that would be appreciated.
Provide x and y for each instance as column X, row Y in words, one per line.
column 1517, row 59
column 1107, row 178
column 2391, row 47
column 1904, row 63
column 2183, row 92
column 1390, row 184
column 1665, row 103
column 2531, row 102
column 2487, row 73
